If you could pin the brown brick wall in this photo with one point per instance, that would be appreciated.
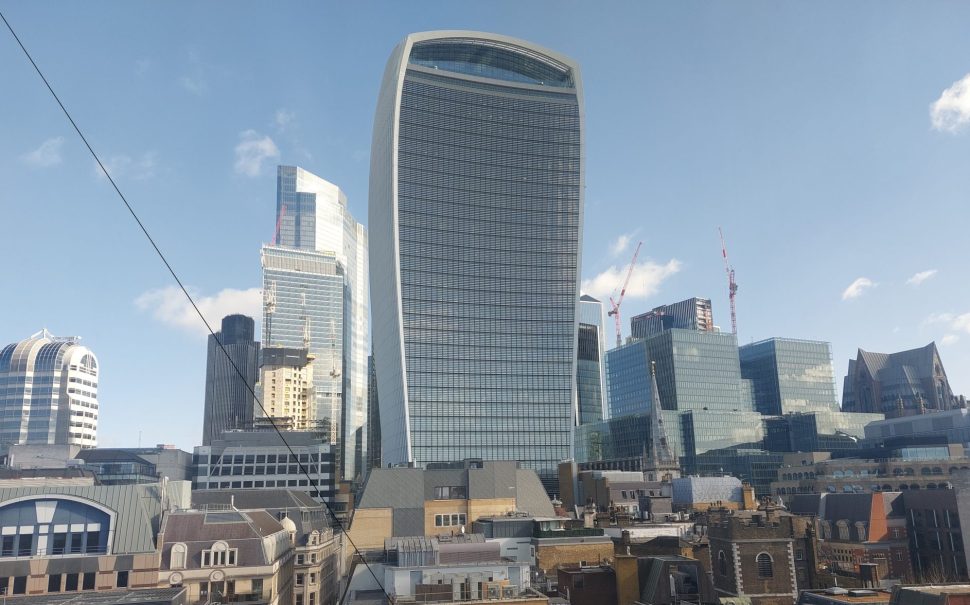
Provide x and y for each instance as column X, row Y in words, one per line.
column 549, row 558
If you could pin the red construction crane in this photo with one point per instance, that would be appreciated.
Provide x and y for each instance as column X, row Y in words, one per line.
column 615, row 311
column 732, row 285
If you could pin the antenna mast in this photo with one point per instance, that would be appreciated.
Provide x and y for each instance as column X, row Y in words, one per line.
column 732, row 285
column 615, row 311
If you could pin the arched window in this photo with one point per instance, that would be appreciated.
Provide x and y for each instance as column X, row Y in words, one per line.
column 843, row 527
column 910, row 472
column 937, row 470
column 925, row 470
column 765, row 567
column 721, row 563
column 177, row 558
column 860, row 529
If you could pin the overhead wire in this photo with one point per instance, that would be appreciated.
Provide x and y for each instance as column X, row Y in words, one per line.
column 303, row 469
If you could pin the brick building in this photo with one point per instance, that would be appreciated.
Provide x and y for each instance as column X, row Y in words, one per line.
column 590, row 585
column 764, row 554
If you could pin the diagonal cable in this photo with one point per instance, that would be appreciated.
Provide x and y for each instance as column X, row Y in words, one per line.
column 161, row 256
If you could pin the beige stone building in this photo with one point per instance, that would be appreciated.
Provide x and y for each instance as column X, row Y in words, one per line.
column 286, row 388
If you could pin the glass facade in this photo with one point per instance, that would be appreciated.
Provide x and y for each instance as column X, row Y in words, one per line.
column 690, row 314
column 476, row 207
column 590, row 375
column 313, row 216
column 48, row 392
column 308, row 297
column 229, row 402
column 790, row 376
column 628, row 379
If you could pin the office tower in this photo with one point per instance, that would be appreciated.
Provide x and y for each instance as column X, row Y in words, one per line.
column 897, row 384
column 373, row 417
column 475, row 214
column 690, row 314
column 590, row 372
column 303, row 309
column 286, row 389
column 789, row 376
column 48, row 392
column 312, row 215
column 229, row 402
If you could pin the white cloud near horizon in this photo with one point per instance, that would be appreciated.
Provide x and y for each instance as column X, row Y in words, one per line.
column 951, row 112
column 283, row 118
column 252, row 150
column 123, row 166
column 921, row 277
column 645, row 280
column 169, row 306
column 949, row 339
column 48, row 154
column 620, row 244
column 857, row 287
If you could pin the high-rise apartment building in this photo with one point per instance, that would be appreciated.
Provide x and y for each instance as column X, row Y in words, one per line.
column 304, row 308
column 790, row 376
column 230, row 381
column 312, row 215
column 476, row 200
column 897, row 384
column 591, row 359
column 48, row 392
column 690, row 314
column 286, row 389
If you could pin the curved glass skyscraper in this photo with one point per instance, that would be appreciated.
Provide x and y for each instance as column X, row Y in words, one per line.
column 476, row 199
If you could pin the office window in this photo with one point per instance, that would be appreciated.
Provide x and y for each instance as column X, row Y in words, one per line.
column 88, row 581
column 54, row 582
column 299, row 599
column 257, row 586
column 71, row 584
column 20, row 584
column 299, row 579
column 300, row 559
column 313, row 598
column 450, row 492
column 122, row 580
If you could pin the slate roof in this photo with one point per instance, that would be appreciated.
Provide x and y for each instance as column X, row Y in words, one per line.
column 405, row 490
column 199, row 530
column 919, row 360
column 151, row 596
column 137, row 508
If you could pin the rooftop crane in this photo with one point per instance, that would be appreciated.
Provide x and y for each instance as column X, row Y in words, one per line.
column 732, row 285
column 615, row 311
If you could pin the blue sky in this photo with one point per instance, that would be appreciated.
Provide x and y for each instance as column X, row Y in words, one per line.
column 803, row 129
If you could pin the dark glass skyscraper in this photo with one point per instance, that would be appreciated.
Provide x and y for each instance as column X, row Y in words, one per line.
column 590, row 375
column 690, row 314
column 229, row 401
column 475, row 215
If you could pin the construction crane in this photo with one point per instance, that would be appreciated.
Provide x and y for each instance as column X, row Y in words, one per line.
column 615, row 311
column 279, row 223
column 269, row 306
column 732, row 285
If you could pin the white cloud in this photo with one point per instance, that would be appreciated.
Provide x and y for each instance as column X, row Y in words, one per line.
column 48, row 154
column 645, row 281
column 953, row 322
column 951, row 112
column 283, row 118
column 252, row 150
column 195, row 81
column 921, row 277
column 123, row 166
column 169, row 306
column 949, row 339
column 620, row 244
column 857, row 287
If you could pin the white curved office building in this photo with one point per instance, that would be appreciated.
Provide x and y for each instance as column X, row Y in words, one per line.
column 48, row 392
column 475, row 214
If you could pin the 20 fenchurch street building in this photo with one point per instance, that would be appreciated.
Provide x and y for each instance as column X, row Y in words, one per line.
column 475, row 212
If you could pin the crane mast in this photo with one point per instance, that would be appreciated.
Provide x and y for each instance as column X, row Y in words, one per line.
column 615, row 311
column 732, row 284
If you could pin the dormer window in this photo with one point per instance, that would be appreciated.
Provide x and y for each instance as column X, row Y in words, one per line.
column 177, row 556
column 220, row 555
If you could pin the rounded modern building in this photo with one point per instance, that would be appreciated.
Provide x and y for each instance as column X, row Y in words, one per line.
column 475, row 212
column 48, row 392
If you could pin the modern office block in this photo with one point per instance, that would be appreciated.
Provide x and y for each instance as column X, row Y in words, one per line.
column 48, row 392
column 690, row 314
column 591, row 361
column 286, row 389
column 476, row 204
column 307, row 309
column 897, row 384
column 260, row 460
column 313, row 216
column 373, row 417
column 790, row 376
column 230, row 377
